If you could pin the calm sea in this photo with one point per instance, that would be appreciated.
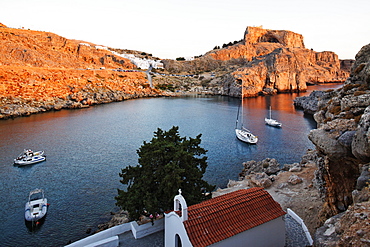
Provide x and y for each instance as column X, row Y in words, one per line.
column 87, row 148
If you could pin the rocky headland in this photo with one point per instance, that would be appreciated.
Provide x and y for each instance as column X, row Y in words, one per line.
column 265, row 62
column 42, row 71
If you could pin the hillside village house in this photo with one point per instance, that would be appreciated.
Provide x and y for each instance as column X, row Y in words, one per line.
column 247, row 217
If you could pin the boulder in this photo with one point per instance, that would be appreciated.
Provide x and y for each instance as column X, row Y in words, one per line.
column 294, row 179
column 326, row 144
column 261, row 180
column 273, row 167
column 295, row 168
column 268, row 166
column 346, row 138
column 309, row 103
column 359, row 196
column 364, row 179
column 286, row 167
column 327, row 235
column 361, row 139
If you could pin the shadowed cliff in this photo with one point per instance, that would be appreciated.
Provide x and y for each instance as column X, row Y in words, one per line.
column 342, row 141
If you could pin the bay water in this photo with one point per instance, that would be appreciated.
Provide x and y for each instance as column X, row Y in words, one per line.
column 87, row 148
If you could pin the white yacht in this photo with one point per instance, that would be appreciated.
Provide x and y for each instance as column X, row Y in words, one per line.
column 29, row 157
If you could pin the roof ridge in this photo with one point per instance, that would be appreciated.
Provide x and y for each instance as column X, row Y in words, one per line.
column 234, row 194
column 230, row 202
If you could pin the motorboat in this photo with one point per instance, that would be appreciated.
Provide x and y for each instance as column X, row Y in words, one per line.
column 36, row 207
column 29, row 157
column 272, row 122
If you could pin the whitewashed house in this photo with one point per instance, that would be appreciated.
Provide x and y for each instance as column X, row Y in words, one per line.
column 248, row 217
column 141, row 63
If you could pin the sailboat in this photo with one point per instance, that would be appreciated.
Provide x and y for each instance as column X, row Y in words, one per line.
column 242, row 133
column 272, row 122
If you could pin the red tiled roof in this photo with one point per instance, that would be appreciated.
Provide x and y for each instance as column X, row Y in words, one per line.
column 224, row 216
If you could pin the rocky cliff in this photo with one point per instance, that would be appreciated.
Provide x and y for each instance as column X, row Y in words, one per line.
column 265, row 62
column 278, row 62
column 342, row 141
column 330, row 187
column 41, row 71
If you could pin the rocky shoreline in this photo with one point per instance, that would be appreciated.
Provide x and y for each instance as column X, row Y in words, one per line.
column 304, row 187
column 16, row 107
column 262, row 63
column 334, row 199
column 291, row 185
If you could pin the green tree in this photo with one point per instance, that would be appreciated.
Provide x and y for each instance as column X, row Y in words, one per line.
column 167, row 163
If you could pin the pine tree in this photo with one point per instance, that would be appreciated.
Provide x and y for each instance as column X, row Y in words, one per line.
column 167, row 163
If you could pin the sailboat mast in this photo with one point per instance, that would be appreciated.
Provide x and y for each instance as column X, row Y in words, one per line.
column 242, row 115
column 270, row 112
column 237, row 116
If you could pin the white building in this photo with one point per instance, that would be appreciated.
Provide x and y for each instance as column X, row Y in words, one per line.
column 141, row 63
column 247, row 217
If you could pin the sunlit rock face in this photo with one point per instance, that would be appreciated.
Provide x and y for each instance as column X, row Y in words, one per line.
column 277, row 62
column 41, row 71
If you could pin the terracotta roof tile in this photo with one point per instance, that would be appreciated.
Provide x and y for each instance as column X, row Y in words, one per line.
column 224, row 216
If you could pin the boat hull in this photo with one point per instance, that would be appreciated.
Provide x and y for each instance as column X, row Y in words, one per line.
column 246, row 136
column 29, row 161
column 272, row 122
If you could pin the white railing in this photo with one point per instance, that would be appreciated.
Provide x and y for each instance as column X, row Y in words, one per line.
column 140, row 231
column 94, row 239
column 109, row 237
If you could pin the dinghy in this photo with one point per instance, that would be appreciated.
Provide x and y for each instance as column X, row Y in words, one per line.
column 36, row 207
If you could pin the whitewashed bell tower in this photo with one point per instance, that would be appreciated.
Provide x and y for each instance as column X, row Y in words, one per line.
column 175, row 233
column 179, row 204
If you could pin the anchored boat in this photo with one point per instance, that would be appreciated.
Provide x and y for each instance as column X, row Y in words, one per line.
column 36, row 207
column 242, row 133
column 272, row 122
column 29, row 157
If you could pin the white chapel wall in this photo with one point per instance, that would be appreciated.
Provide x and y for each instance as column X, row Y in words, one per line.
column 173, row 226
column 269, row 234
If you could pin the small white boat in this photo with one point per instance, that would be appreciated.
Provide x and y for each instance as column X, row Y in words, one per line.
column 245, row 135
column 242, row 133
column 272, row 122
column 36, row 207
column 29, row 157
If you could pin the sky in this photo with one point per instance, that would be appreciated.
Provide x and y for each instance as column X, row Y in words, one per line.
column 185, row 28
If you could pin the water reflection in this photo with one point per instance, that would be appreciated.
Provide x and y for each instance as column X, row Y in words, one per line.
column 34, row 227
column 86, row 149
